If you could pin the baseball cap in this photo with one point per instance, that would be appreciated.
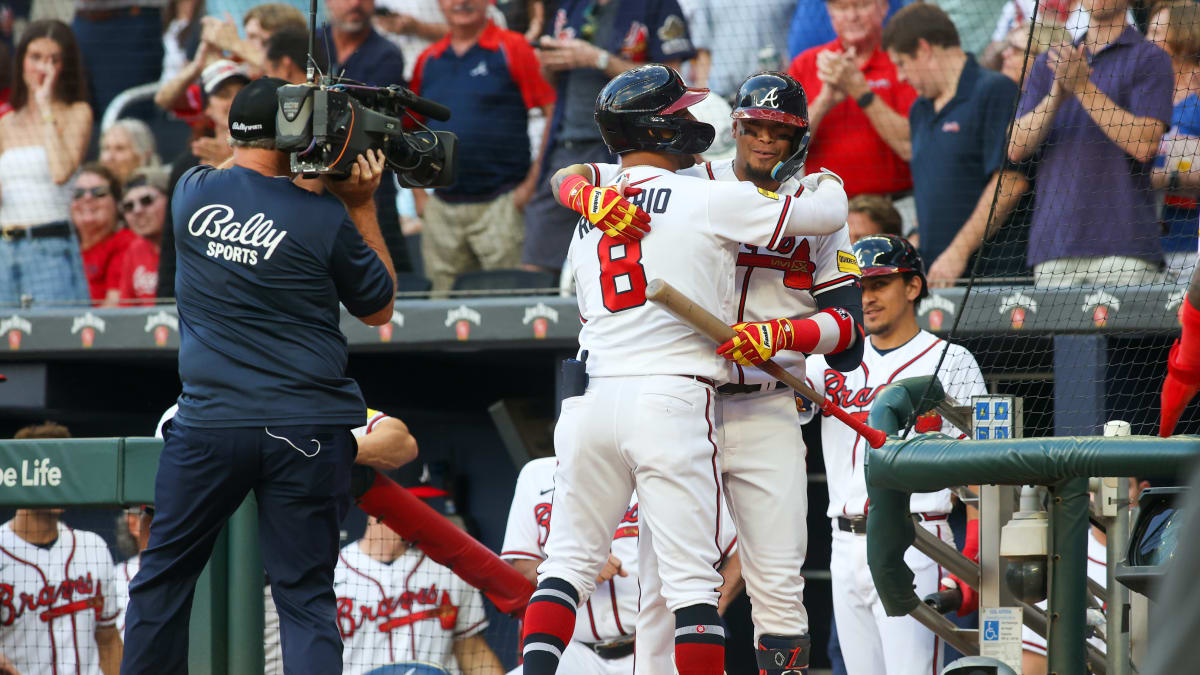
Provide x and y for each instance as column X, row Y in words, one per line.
column 252, row 114
column 219, row 72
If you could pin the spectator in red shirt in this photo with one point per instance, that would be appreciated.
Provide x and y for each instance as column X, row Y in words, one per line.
column 490, row 78
column 145, row 209
column 103, row 241
column 859, row 110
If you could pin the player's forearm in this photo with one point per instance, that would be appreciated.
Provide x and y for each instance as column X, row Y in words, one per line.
column 556, row 181
column 892, row 127
column 1137, row 136
column 820, row 211
column 527, row 568
column 389, row 446
column 829, row 331
column 108, row 641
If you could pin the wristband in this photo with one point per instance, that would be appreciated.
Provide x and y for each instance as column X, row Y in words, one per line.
column 865, row 100
column 602, row 60
column 569, row 189
column 1173, row 183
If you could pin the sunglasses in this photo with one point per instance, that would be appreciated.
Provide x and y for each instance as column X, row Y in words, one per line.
column 96, row 192
column 143, row 201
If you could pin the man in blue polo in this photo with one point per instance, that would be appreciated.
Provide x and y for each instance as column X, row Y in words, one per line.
column 358, row 53
column 958, row 128
column 587, row 43
column 490, row 78
column 1097, row 111
column 262, row 266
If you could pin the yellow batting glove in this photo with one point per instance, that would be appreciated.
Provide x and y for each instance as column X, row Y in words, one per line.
column 756, row 342
column 606, row 208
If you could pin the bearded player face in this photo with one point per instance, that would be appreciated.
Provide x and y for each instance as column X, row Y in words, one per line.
column 761, row 144
column 886, row 300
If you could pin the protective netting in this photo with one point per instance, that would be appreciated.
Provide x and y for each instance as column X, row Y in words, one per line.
column 1072, row 295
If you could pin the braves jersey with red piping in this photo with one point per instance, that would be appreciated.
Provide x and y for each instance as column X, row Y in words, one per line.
column 611, row 612
column 53, row 599
column 125, row 572
column 696, row 226
column 782, row 281
column 844, row 450
column 412, row 609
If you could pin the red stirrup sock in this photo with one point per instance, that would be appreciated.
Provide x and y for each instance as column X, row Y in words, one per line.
column 549, row 623
column 699, row 641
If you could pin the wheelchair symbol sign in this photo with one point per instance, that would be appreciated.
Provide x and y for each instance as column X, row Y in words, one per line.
column 991, row 630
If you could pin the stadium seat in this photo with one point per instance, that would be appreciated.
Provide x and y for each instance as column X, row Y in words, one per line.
column 508, row 279
column 407, row 282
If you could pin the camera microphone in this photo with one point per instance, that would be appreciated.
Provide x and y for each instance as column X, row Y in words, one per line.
column 421, row 106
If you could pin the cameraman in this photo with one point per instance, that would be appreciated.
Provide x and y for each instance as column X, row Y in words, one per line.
column 266, row 404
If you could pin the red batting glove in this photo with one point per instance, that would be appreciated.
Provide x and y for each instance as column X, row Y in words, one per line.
column 606, row 208
column 970, row 599
column 757, row 341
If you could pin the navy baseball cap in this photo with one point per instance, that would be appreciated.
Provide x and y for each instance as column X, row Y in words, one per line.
column 252, row 114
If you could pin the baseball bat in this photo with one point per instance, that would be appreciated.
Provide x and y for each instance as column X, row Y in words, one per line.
column 702, row 321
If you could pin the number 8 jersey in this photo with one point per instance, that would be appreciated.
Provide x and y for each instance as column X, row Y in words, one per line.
column 696, row 229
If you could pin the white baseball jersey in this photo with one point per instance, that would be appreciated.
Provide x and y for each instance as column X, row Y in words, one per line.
column 612, row 610
column 1097, row 571
column 855, row 391
column 53, row 599
column 781, row 281
column 413, row 609
column 694, row 249
column 124, row 574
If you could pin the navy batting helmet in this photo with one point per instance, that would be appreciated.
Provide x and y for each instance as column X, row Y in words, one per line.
column 881, row 254
column 777, row 97
column 638, row 110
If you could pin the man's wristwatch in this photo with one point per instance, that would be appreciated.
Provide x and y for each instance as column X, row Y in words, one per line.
column 865, row 100
column 602, row 59
column 1173, row 183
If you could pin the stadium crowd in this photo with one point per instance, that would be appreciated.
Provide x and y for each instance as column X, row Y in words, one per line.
column 1104, row 95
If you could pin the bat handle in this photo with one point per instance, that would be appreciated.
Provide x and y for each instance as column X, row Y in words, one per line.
column 875, row 437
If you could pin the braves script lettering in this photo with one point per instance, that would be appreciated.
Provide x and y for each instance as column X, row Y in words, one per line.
column 13, row 605
column 349, row 621
column 216, row 221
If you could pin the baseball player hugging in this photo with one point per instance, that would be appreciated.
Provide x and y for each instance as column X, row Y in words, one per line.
column 811, row 281
column 647, row 415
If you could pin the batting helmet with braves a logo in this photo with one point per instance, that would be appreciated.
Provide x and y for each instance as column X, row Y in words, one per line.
column 881, row 254
column 777, row 97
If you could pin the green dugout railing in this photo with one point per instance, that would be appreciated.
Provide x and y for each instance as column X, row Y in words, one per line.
column 227, row 612
column 928, row 462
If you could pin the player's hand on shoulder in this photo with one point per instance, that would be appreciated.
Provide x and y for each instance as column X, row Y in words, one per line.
column 813, row 180
column 757, row 341
column 607, row 208
column 7, row 667
column 359, row 187
column 612, row 568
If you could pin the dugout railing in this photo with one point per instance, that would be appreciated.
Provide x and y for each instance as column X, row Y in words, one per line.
column 928, row 462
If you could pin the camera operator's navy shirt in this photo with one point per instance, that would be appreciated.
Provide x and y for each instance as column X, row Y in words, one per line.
column 261, row 267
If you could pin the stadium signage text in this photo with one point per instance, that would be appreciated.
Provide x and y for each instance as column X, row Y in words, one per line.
column 36, row 474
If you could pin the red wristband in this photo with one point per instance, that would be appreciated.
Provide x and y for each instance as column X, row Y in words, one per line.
column 826, row 332
column 569, row 191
